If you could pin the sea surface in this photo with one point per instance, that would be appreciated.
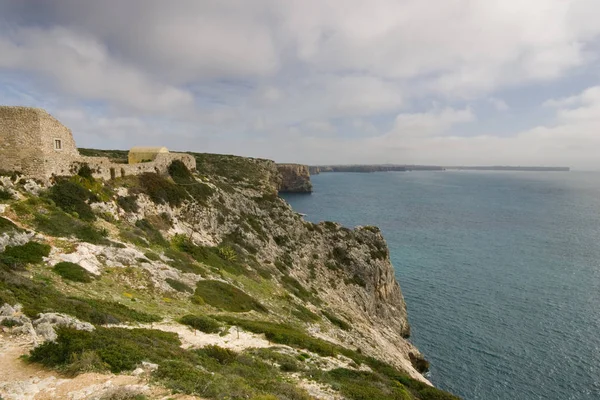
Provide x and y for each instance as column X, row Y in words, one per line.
column 500, row 272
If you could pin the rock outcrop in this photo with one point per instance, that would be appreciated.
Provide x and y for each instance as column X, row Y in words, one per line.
column 295, row 178
column 336, row 283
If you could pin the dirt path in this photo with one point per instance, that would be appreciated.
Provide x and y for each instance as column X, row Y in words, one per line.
column 20, row 380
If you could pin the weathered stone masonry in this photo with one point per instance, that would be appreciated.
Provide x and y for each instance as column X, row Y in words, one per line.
column 35, row 144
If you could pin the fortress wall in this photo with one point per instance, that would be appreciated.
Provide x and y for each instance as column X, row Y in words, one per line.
column 103, row 168
column 19, row 141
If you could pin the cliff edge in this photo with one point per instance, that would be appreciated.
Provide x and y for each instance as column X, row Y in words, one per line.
column 200, row 283
column 295, row 178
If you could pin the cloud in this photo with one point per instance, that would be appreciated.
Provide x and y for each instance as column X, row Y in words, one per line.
column 499, row 104
column 78, row 65
column 314, row 80
column 430, row 123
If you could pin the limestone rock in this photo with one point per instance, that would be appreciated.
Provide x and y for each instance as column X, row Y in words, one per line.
column 295, row 178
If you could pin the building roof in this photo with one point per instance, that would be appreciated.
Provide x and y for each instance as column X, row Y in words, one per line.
column 143, row 149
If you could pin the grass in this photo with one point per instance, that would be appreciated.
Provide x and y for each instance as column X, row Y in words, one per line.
column 220, row 258
column 304, row 314
column 295, row 287
column 47, row 218
column 226, row 297
column 201, row 322
column 39, row 297
column 361, row 385
column 72, row 272
column 233, row 168
column 7, row 226
column 340, row 323
column 184, row 262
column 284, row 334
column 179, row 286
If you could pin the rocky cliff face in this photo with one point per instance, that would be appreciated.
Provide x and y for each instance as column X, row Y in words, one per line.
column 295, row 178
column 162, row 241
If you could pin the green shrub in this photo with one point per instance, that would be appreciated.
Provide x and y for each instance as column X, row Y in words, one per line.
column 296, row 288
column 221, row 258
column 72, row 198
column 162, row 190
column 120, row 349
column 222, row 355
column 183, row 377
column 58, row 223
column 16, row 257
column 179, row 286
column 128, row 203
column 151, row 256
column 182, row 176
column 336, row 321
column 84, row 362
column 85, row 172
column 304, row 314
column 226, row 297
column 202, row 323
column 152, row 234
column 184, row 262
column 72, row 272
column 361, row 385
column 5, row 194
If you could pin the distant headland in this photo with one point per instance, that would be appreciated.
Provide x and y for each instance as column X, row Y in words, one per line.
column 317, row 169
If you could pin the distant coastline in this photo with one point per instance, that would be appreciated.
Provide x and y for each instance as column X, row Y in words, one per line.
column 366, row 168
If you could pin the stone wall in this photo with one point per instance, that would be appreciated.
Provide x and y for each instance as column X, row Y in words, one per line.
column 27, row 145
column 20, row 139
column 295, row 178
column 103, row 168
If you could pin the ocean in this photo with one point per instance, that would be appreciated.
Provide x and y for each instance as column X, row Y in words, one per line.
column 500, row 272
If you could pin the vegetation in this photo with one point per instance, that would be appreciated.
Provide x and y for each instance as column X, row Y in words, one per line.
column 119, row 348
column 73, row 198
column 201, row 192
column 220, row 258
column 233, row 168
column 16, row 257
column 179, row 286
column 7, row 226
column 337, row 321
column 128, row 203
column 162, row 190
column 361, row 385
column 5, row 194
column 202, row 323
column 283, row 334
column 226, row 297
column 116, row 156
column 72, row 272
column 296, row 288
column 38, row 297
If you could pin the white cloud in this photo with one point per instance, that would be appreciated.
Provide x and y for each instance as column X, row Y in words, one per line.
column 79, row 65
column 308, row 80
column 499, row 104
column 430, row 123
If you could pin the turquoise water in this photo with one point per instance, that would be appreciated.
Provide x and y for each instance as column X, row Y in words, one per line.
column 500, row 271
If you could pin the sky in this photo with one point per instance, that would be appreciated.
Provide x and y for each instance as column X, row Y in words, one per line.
column 452, row 82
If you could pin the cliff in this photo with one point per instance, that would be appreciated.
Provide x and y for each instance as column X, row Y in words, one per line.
column 295, row 178
column 201, row 283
